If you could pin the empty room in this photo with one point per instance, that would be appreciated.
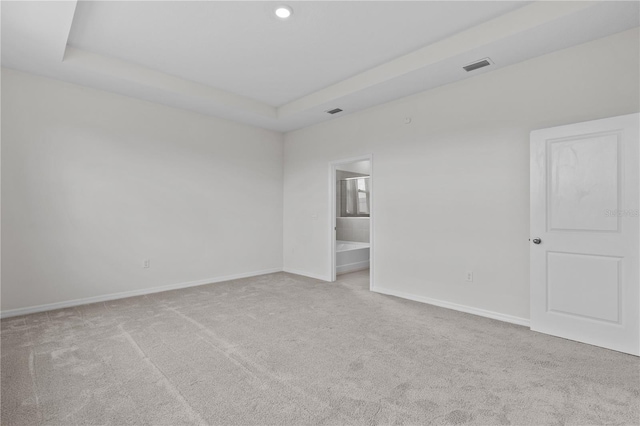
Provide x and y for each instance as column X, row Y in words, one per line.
column 320, row 213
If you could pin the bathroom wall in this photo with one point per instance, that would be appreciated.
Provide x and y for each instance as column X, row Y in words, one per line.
column 352, row 229
column 361, row 168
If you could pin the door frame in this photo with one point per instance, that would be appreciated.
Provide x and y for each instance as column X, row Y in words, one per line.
column 332, row 214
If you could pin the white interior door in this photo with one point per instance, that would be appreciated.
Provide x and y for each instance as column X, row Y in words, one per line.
column 585, row 233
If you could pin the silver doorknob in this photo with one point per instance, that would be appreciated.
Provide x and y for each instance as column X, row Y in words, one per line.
column 537, row 241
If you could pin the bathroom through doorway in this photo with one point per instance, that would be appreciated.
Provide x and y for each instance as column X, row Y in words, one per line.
column 351, row 213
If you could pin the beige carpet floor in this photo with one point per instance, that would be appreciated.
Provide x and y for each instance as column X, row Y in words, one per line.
column 283, row 349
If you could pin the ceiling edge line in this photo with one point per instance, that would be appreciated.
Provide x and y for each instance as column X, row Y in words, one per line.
column 498, row 28
column 66, row 42
column 117, row 68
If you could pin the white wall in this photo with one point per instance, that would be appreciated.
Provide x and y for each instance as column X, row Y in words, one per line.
column 93, row 183
column 451, row 189
column 362, row 167
column 352, row 229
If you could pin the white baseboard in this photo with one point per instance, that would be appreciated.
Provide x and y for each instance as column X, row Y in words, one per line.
column 352, row 267
column 307, row 274
column 456, row 307
column 125, row 294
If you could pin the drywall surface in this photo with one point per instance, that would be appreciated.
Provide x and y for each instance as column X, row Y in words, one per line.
column 95, row 183
column 451, row 189
column 362, row 167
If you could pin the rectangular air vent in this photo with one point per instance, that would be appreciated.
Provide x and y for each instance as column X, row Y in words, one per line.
column 334, row 111
column 478, row 64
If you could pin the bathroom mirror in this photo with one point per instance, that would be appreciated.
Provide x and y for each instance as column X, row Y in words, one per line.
column 354, row 197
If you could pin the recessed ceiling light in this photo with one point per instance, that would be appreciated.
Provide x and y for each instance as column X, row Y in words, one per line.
column 283, row 12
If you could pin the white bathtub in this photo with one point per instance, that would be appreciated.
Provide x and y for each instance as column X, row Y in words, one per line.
column 351, row 256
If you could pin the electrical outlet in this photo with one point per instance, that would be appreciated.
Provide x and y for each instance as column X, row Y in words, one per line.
column 470, row 276
column 146, row 264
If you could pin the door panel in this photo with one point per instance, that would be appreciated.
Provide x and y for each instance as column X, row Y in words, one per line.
column 583, row 182
column 584, row 209
column 584, row 285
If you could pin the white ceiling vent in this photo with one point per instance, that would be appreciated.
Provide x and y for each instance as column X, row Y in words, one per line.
column 334, row 111
column 478, row 64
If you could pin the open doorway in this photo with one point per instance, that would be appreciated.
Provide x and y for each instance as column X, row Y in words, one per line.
column 351, row 213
